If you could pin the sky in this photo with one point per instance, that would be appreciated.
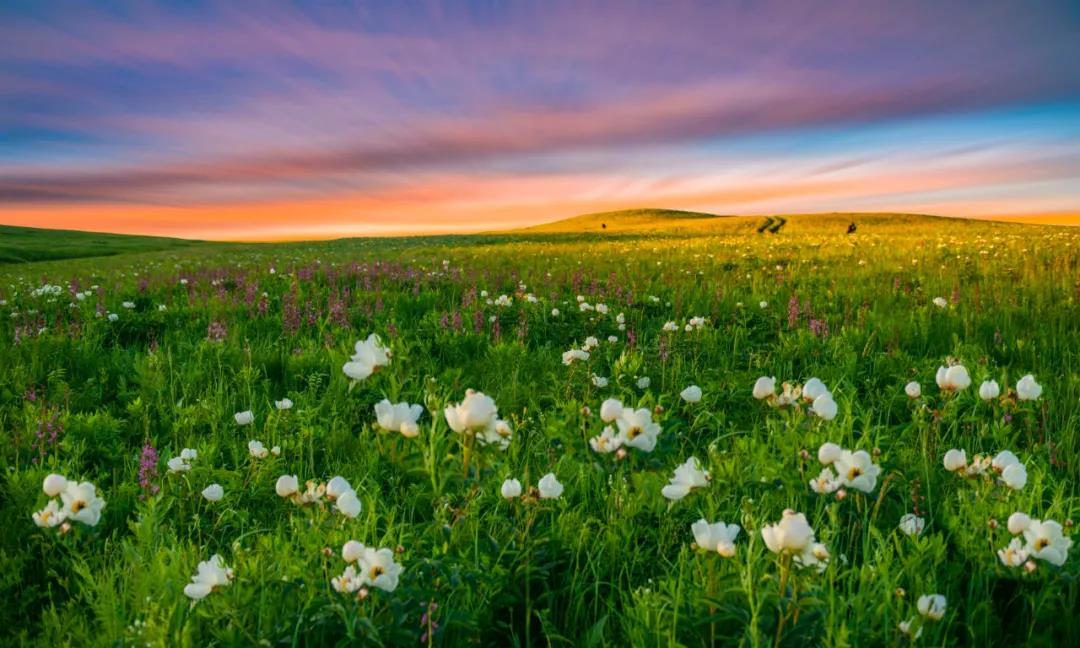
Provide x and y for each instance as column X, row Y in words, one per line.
column 271, row 121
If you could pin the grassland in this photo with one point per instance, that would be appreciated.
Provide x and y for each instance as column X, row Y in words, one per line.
column 24, row 244
column 163, row 350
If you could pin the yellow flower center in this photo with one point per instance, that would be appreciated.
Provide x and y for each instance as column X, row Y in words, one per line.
column 78, row 506
column 1041, row 543
column 633, row 432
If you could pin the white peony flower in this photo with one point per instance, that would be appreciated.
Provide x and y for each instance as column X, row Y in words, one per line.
column 569, row 357
column 954, row 378
column 792, row 534
column 825, row 407
column 989, row 390
column 476, row 412
column 826, row 482
column 1028, row 389
column 244, row 418
column 955, row 460
column 257, row 450
column 81, row 503
column 287, row 486
column 610, row 410
column 212, row 574
column 54, row 484
column 398, row 417
column 369, row 357
column 49, row 516
column 510, row 489
column 637, row 429
column 550, row 488
column 857, row 470
column 688, row 476
column 829, row 453
column 1018, row 523
column 1015, row 476
column 1046, row 541
column 932, row 606
column 337, row 486
column 348, row 504
column 913, row 390
column 283, row 404
column 213, row 493
column 1014, row 555
column 718, row 537
column 765, row 388
column 691, row 394
column 814, row 388
column 911, row 524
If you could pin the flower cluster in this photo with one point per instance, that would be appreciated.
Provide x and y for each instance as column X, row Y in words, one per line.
column 793, row 536
column 813, row 393
column 478, row 414
column 1043, row 539
column 1005, row 465
column 366, row 566
column 636, row 429
column 853, row 470
column 211, row 575
column 79, row 502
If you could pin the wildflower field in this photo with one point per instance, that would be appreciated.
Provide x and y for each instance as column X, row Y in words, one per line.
column 628, row 429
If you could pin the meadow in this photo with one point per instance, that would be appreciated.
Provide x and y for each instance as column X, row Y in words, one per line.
column 532, row 438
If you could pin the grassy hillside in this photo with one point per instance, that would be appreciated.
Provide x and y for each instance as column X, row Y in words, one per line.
column 22, row 244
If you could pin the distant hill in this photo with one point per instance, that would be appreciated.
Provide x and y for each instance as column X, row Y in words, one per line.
column 659, row 221
column 23, row 244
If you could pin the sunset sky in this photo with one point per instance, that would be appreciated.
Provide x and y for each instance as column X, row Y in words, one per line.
column 271, row 121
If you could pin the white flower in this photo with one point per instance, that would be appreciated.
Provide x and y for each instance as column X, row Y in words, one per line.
column 691, row 394
column 283, row 404
column 857, row 470
column 257, row 450
column 1028, row 389
column 377, row 568
column 352, row 551
column 825, row 482
column 815, row 555
column 913, row 389
column 643, row 382
column 1014, row 555
column 932, row 606
column 498, row 434
column 591, row 343
column 940, row 302
column 954, row 378
column 81, row 503
column 599, row 381
column 829, row 453
column 510, row 489
column 476, row 412
column 825, row 407
column 211, row 575
column 670, row 327
column 128, row 304
column 955, row 460
column 369, row 357
column 718, row 537
column 792, row 534
column 287, row 485
column 764, row 388
column 213, row 493
column 568, row 357
column 554, row 312
column 1015, row 476
column 113, row 317
column 637, row 429
column 348, row 582
column 276, row 451
column 1003, row 460
column 337, row 486
column 610, row 410
column 244, row 418
column 54, row 484
column 181, row 463
column 688, row 475
column 912, row 524
column 550, row 488
column 1018, row 523
column 348, row 504
column 989, row 390
column 763, row 304
column 1046, row 541
column 906, row 629
column 49, row 516
column 814, row 388
column 607, row 441
column 398, row 417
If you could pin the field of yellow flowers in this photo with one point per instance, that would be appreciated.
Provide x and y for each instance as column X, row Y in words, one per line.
column 647, row 428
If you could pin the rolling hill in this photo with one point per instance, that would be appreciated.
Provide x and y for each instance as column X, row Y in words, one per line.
column 23, row 244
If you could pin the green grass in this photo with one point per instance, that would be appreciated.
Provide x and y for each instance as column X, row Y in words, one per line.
column 609, row 563
column 25, row 244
